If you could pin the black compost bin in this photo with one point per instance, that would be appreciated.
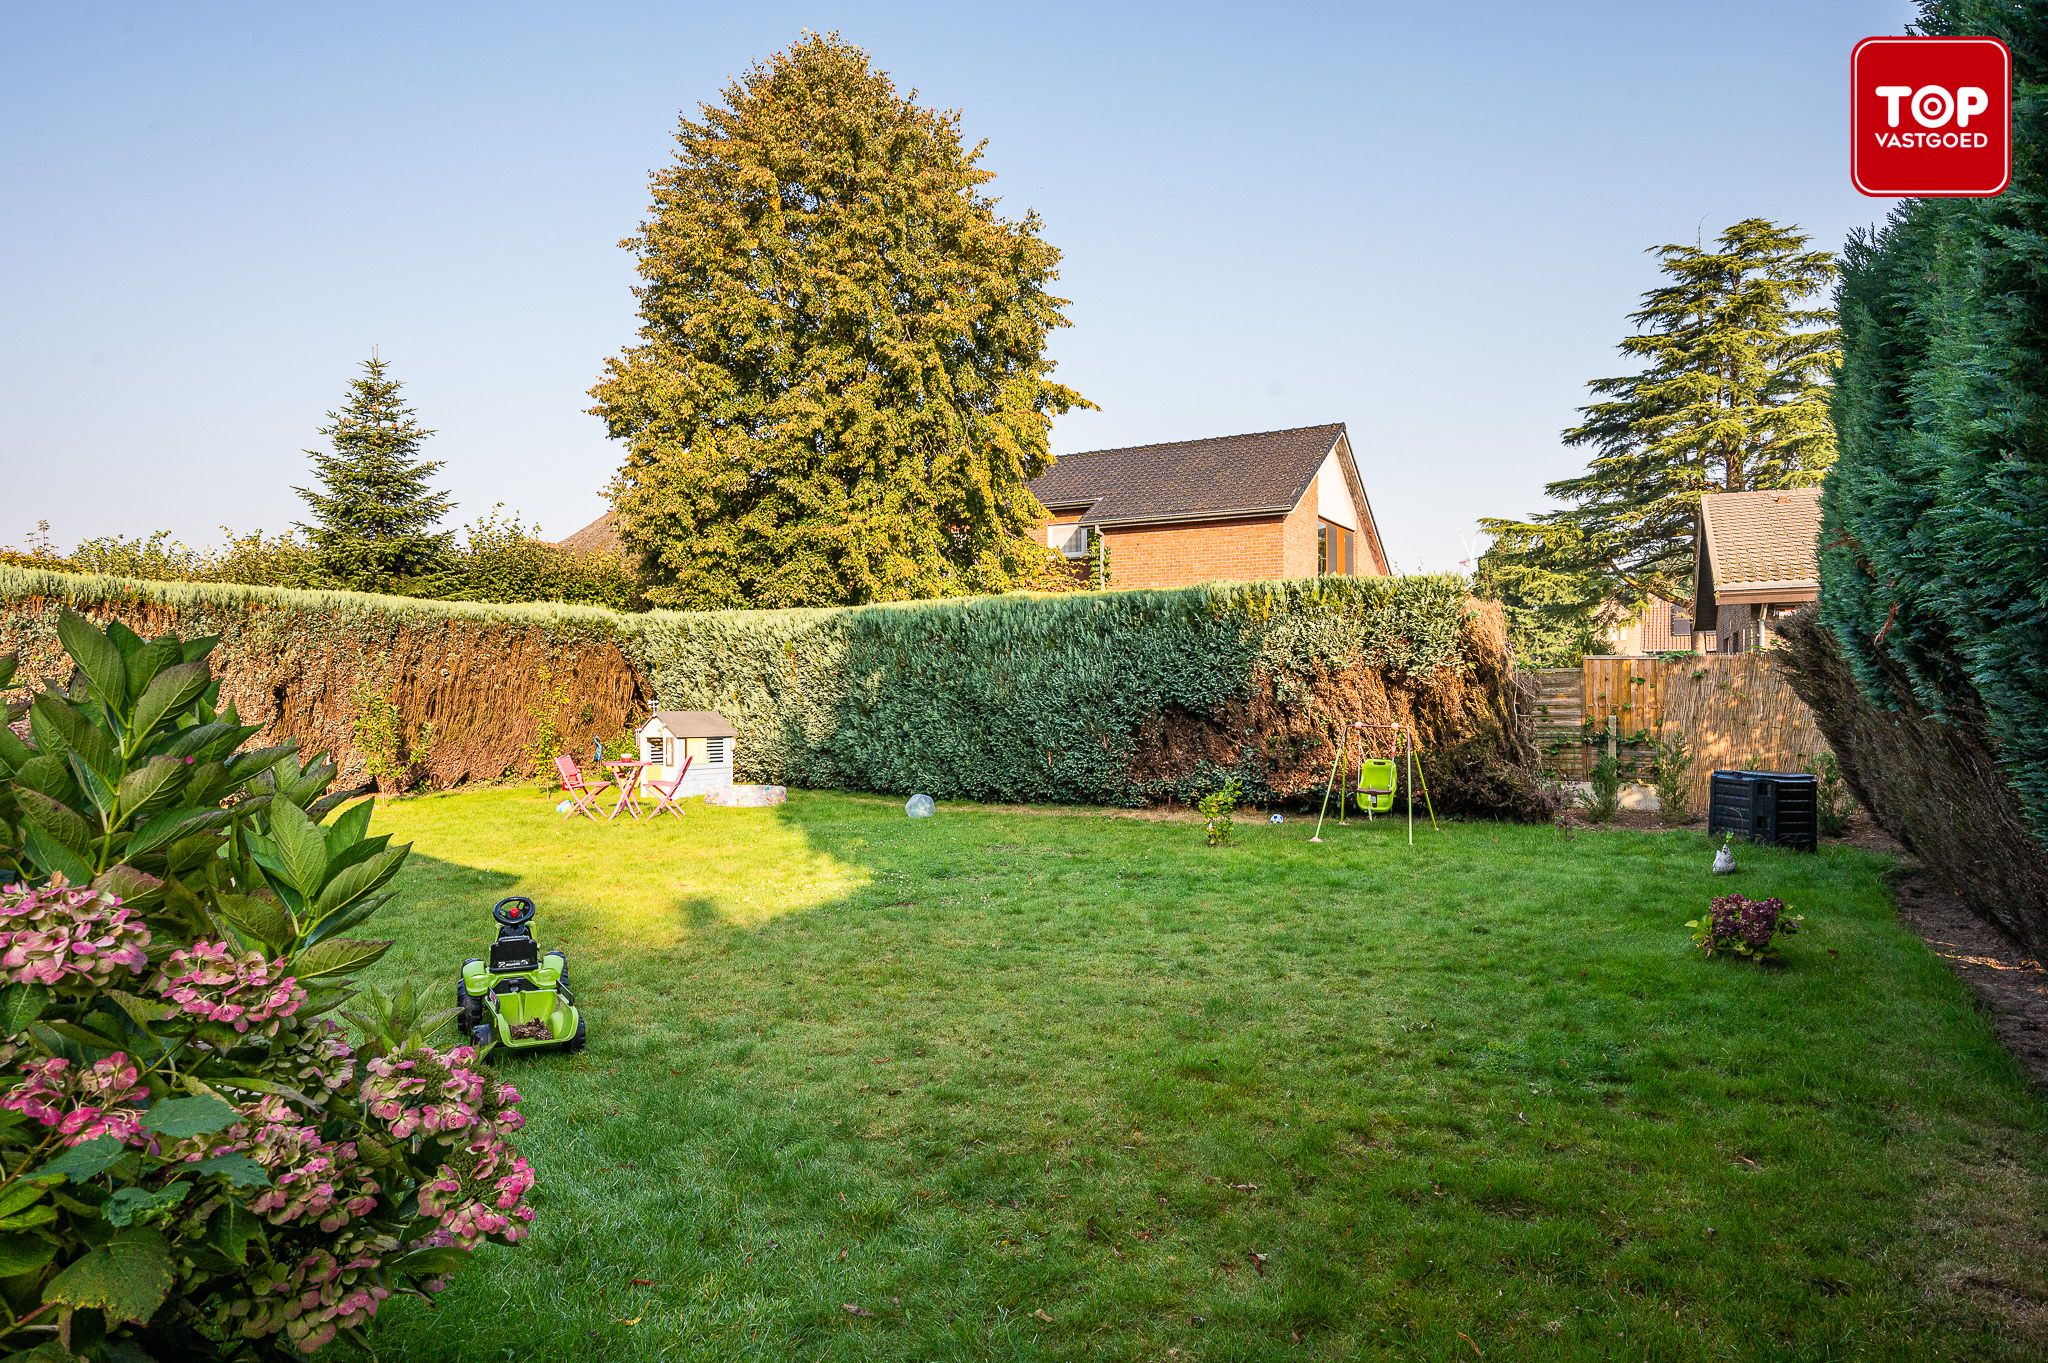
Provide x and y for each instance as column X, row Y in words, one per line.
column 1780, row 807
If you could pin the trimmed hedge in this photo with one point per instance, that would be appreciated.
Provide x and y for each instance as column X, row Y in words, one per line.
column 1113, row 697
column 1106, row 697
column 463, row 680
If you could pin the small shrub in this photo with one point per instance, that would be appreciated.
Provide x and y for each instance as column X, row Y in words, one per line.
column 1216, row 808
column 1747, row 927
column 392, row 754
column 1602, row 796
column 547, row 711
column 1674, row 777
column 1831, row 793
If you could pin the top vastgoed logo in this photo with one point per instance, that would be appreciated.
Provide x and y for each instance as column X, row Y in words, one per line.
column 1930, row 117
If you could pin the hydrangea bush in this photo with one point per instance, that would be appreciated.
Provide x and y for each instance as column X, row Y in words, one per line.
column 1743, row 927
column 195, row 1162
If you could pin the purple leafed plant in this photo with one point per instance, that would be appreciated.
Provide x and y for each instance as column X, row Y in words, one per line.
column 1744, row 926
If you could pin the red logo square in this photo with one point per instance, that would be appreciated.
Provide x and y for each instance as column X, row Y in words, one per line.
column 1930, row 118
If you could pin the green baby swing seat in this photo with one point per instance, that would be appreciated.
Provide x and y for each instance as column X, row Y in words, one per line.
column 1376, row 785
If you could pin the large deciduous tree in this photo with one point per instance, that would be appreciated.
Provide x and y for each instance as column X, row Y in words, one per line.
column 840, row 385
column 1731, row 396
column 375, row 509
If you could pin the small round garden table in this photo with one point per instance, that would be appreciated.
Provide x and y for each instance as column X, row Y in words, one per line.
column 626, row 771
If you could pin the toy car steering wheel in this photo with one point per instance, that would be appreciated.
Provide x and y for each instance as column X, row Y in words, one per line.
column 513, row 911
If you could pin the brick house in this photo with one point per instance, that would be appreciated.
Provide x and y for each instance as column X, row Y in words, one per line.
column 1276, row 504
column 1758, row 562
column 1660, row 628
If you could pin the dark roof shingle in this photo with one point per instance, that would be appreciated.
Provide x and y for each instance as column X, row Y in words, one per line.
column 1265, row 473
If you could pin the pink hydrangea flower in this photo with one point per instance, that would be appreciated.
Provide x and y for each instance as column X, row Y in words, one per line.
column 81, row 1102
column 214, row 981
column 58, row 935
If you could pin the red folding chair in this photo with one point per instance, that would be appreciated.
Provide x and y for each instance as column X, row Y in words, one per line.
column 666, row 794
column 579, row 790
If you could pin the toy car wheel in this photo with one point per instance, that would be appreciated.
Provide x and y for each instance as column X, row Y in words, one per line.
column 483, row 1034
column 577, row 1042
column 469, row 1010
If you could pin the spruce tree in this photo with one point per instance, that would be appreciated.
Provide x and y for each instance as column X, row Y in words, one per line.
column 374, row 509
column 840, row 386
column 1731, row 396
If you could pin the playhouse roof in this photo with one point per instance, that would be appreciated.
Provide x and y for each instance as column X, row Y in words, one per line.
column 694, row 724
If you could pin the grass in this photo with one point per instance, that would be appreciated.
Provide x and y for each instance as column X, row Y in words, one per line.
column 1046, row 1085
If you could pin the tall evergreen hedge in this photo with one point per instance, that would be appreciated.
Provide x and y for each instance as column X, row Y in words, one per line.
column 1047, row 698
column 1934, row 547
column 1113, row 697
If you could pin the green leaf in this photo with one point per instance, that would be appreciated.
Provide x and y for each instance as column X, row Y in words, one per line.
column 301, row 847
column 432, row 1262
column 354, row 882
column 42, row 1214
column 96, row 655
column 350, row 826
column 340, row 956
column 151, row 787
column 127, row 1278
column 171, row 825
column 60, row 821
column 87, row 1159
column 236, row 1168
column 151, row 658
column 68, row 729
column 262, row 922
column 232, row 1230
column 127, row 884
column 129, row 1205
column 21, row 1004
column 169, row 693
column 21, row 1252
column 21, row 1193
column 179, row 1117
column 253, row 1084
column 55, row 858
column 143, row 1011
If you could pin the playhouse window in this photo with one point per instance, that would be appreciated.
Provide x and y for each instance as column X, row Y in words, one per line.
column 657, row 751
column 714, row 750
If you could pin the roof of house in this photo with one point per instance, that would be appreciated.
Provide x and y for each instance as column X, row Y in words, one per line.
column 1262, row 474
column 695, row 724
column 601, row 536
column 1759, row 546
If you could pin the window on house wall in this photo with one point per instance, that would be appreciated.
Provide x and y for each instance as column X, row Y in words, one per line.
column 714, row 750
column 657, row 751
column 1681, row 624
column 1350, row 553
column 1071, row 540
column 1322, row 549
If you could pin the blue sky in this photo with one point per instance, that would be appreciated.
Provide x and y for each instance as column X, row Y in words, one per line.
column 1428, row 222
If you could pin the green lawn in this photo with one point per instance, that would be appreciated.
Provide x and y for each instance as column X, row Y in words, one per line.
column 1026, row 1084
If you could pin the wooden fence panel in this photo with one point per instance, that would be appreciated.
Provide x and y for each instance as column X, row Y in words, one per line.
column 1559, row 724
column 1736, row 711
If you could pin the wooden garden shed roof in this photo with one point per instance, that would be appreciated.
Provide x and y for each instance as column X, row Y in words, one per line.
column 1757, row 546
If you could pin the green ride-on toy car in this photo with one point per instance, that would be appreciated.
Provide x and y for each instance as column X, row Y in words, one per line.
column 519, row 998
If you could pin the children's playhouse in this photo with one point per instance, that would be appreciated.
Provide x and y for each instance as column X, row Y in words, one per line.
column 701, row 736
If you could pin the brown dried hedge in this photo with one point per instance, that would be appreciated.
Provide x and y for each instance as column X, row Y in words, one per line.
column 1934, row 785
column 299, row 663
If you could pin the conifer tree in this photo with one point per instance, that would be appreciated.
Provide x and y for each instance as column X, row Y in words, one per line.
column 374, row 509
column 840, row 384
column 1731, row 396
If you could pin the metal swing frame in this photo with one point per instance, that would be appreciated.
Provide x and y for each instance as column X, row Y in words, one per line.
column 1337, row 764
